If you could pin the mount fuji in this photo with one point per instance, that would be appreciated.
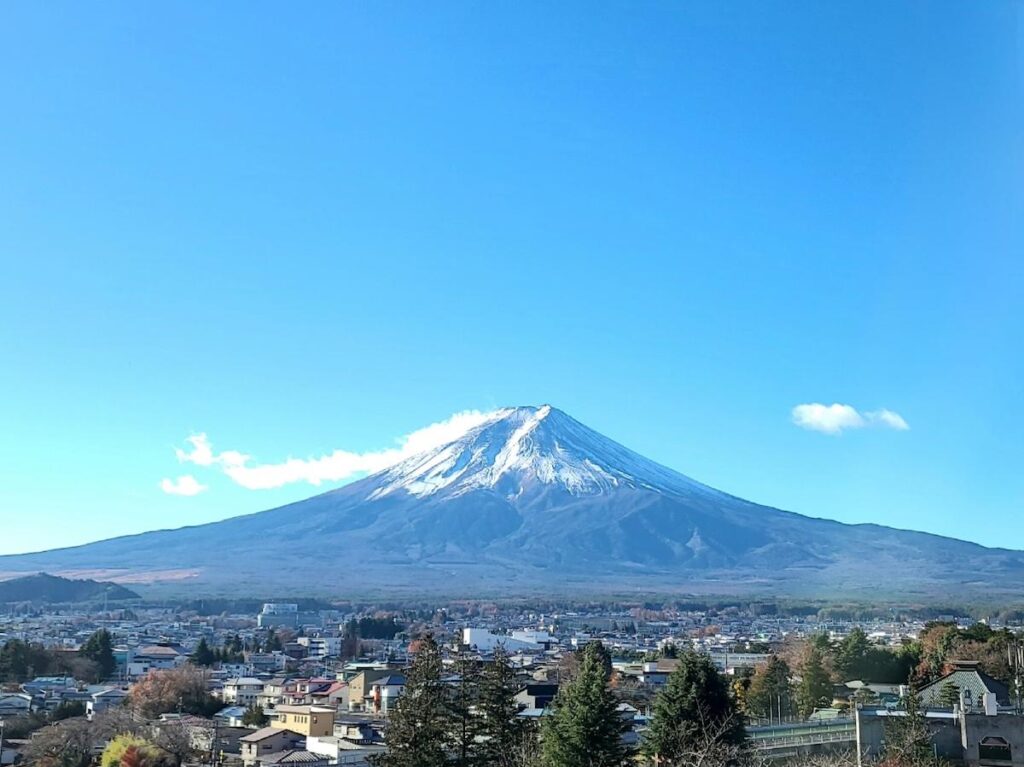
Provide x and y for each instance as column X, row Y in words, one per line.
column 533, row 502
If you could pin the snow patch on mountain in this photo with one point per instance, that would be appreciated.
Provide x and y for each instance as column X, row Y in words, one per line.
column 524, row 447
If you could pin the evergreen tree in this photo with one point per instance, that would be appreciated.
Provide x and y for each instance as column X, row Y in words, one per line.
column 350, row 641
column 501, row 728
column 417, row 733
column 99, row 648
column 768, row 695
column 949, row 695
column 203, row 655
column 464, row 723
column 273, row 643
column 694, row 701
column 604, row 656
column 585, row 728
column 67, row 709
column 255, row 716
column 815, row 689
column 20, row 661
column 907, row 741
column 851, row 656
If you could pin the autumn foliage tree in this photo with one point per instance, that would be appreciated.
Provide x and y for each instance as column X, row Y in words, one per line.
column 180, row 689
column 942, row 643
column 129, row 751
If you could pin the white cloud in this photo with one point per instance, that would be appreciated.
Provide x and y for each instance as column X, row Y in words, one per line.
column 889, row 419
column 183, row 485
column 333, row 467
column 836, row 418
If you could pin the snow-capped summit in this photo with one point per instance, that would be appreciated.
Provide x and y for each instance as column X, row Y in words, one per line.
column 529, row 448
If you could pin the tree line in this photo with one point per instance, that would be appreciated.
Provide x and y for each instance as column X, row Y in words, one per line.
column 819, row 664
column 21, row 661
column 470, row 718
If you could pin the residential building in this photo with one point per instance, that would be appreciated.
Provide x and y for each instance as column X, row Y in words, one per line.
column 384, row 693
column 242, row 691
column 103, row 698
column 335, row 694
column 142, row 660
column 230, row 716
column 360, row 685
column 536, row 695
column 299, row 757
column 266, row 741
column 14, row 704
column 316, row 721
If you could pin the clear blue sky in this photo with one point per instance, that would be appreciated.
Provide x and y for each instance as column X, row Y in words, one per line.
column 307, row 228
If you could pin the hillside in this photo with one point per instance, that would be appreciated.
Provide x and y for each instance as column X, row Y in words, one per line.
column 42, row 587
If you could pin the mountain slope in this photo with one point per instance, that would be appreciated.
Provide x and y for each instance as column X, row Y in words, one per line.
column 534, row 501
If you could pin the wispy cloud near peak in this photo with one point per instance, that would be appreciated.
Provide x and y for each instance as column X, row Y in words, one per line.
column 333, row 467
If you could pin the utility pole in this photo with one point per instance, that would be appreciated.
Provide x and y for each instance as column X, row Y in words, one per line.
column 215, row 744
column 1, row 742
column 856, row 726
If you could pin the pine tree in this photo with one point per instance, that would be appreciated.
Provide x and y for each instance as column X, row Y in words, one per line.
column 255, row 716
column 585, row 728
column 949, row 695
column 417, row 733
column 851, row 656
column 99, row 648
column 464, row 722
column 695, row 701
column 350, row 642
column 769, row 695
column 273, row 643
column 815, row 689
column 203, row 655
column 501, row 728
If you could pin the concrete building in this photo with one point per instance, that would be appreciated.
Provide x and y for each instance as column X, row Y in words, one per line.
column 484, row 641
column 321, row 646
column 276, row 614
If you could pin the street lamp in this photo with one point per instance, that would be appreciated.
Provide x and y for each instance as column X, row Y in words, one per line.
column 1, row 742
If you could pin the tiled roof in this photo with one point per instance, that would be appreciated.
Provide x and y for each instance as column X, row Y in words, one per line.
column 966, row 679
column 293, row 757
column 264, row 733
